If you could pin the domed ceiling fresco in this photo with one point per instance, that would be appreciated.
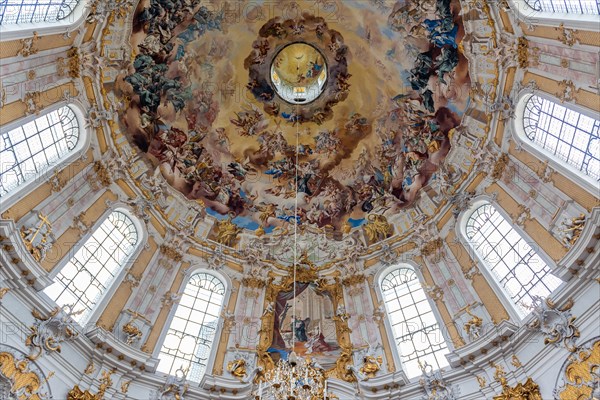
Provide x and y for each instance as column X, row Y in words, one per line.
column 366, row 97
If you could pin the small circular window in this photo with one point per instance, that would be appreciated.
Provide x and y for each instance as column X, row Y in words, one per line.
column 299, row 73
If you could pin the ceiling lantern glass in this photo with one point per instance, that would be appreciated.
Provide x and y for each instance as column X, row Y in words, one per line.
column 299, row 73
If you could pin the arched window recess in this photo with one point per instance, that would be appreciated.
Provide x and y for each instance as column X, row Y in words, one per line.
column 564, row 134
column 574, row 14
column 188, row 339
column 514, row 265
column 20, row 18
column 90, row 274
column 411, row 320
column 33, row 148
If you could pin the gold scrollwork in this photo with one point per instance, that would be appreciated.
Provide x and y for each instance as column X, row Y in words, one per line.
column 528, row 390
column 580, row 374
column 17, row 372
column 171, row 252
column 523, row 52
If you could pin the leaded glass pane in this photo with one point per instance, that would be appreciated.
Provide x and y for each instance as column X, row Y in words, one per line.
column 87, row 275
column 514, row 264
column 192, row 331
column 415, row 328
column 590, row 7
column 569, row 135
column 32, row 11
column 34, row 148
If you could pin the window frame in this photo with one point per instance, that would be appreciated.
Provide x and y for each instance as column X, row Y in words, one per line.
column 482, row 265
column 69, row 24
column 218, row 332
column 581, row 179
column 389, row 330
column 79, row 150
column 121, row 273
column 529, row 15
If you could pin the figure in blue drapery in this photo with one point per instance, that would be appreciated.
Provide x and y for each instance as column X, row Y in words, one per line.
column 441, row 32
column 314, row 70
column 299, row 328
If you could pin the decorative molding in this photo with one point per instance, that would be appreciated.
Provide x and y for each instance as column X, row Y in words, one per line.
column 556, row 323
column 29, row 45
column 434, row 384
column 47, row 333
column 579, row 378
column 25, row 384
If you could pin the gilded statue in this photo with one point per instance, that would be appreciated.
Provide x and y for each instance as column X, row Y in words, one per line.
column 573, row 230
column 237, row 368
column 473, row 326
column 377, row 228
column 227, row 232
column 371, row 365
column 133, row 332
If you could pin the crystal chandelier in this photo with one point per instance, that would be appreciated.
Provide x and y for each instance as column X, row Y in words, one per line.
column 294, row 378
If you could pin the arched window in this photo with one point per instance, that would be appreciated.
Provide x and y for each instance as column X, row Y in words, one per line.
column 32, row 11
column 590, row 7
column 33, row 148
column 568, row 135
column 416, row 331
column 514, row 264
column 88, row 274
column 190, row 336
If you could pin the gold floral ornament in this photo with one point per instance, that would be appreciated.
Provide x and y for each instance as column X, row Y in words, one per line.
column 237, row 368
column 377, row 228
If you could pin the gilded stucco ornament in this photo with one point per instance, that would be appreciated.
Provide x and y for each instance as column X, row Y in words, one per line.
column 567, row 36
column 33, row 103
column 555, row 322
column 25, row 383
column 377, row 228
column 132, row 332
column 579, row 377
column 29, row 45
column 523, row 52
column 105, row 383
column 47, row 333
column 567, row 92
column 572, row 230
column 226, row 232
column 371, row 362
column 38, row 239
column 237, row 368
column 473, row 326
